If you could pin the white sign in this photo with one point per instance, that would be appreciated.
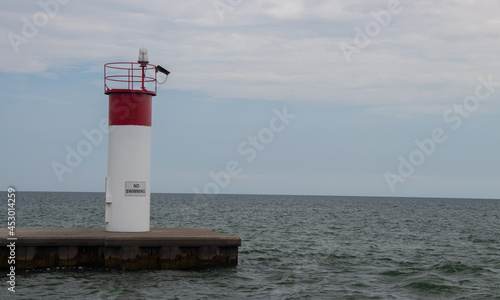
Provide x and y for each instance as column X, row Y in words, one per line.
column 135, row 188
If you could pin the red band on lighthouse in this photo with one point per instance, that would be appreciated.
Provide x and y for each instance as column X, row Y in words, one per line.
column 126, row 108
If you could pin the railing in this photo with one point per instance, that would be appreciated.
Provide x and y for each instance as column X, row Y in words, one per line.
column 130, row 76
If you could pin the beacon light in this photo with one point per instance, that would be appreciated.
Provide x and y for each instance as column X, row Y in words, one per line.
column 143, row 56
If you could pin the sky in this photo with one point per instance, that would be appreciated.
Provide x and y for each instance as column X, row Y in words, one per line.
column 349, row 98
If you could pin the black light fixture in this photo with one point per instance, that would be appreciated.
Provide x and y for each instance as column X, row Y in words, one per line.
column 162, row 70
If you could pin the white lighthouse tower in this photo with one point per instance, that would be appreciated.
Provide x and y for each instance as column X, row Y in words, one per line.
column 130, row 87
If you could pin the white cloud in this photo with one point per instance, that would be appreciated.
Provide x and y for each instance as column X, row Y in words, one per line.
column 284, row 50
column 38, row 98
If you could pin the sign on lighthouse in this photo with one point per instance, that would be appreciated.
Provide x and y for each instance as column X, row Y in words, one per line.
column 130, row 86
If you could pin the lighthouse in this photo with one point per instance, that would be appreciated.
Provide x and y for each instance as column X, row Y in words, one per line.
column 130, row 87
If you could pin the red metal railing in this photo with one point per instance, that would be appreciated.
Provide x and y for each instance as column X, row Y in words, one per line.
column 130, row 76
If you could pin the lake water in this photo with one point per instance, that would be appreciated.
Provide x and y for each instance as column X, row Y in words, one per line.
column 293, row 247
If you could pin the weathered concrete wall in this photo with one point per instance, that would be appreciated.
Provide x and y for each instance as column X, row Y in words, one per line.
column 125, row 257
column 171, row 249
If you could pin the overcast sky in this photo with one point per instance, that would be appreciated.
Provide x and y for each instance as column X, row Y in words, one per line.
column 368, row 97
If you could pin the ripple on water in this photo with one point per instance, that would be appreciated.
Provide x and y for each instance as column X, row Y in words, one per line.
column 293, row 247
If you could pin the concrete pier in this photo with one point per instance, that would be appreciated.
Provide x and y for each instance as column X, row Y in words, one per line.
column 160, row 248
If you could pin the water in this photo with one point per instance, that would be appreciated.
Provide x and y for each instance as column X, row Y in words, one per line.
column 293, row 247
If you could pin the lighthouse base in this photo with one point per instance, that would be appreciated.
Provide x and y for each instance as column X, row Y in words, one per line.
column 160, row 248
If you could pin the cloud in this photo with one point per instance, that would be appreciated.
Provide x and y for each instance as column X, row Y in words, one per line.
column 38, row 98
column 281, row 50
